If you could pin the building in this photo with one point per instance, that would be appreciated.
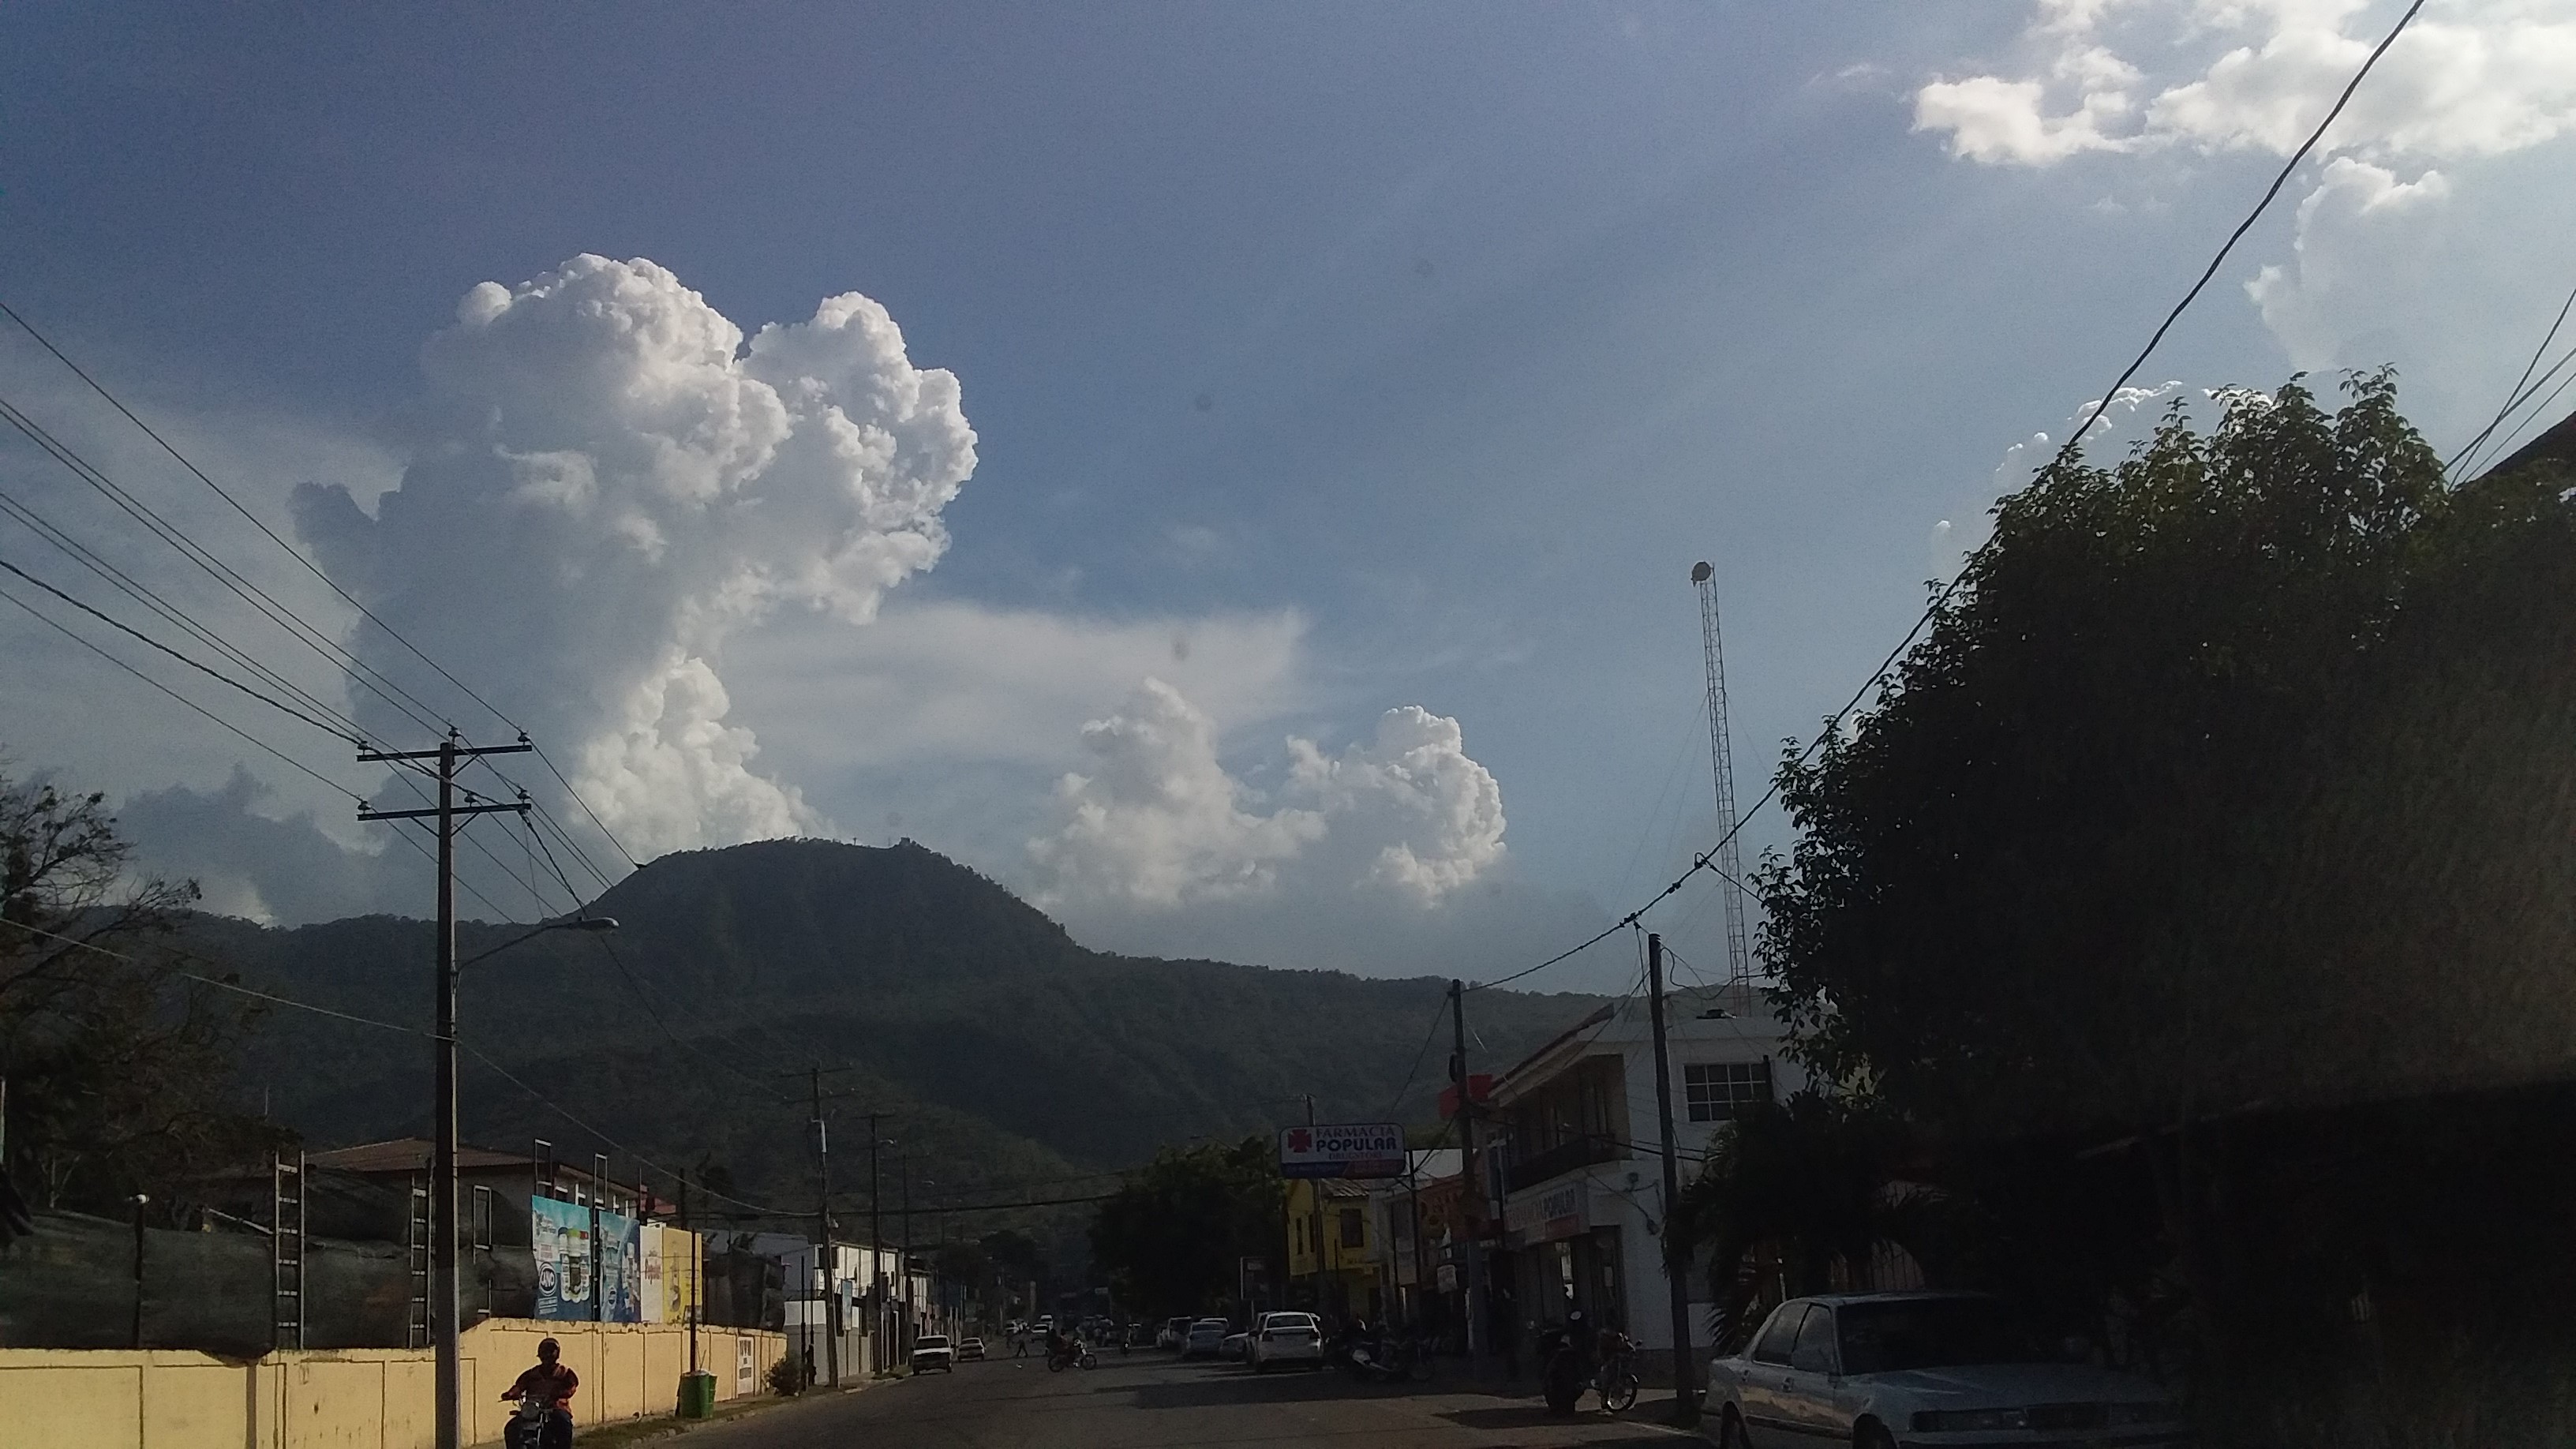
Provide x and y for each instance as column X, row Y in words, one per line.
column 1579, row 1150
column 1332, row 1255
column 1409, row 1219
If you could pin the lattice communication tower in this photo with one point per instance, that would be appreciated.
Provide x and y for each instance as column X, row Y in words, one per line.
column 1730, row 862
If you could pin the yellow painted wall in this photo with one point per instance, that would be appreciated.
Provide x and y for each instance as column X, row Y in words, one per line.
column 345, row 1399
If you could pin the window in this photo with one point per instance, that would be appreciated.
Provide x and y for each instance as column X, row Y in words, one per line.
column 1720, row 1091
column 1777, row 1335
column 1354, row 1234
column 1814, row 1352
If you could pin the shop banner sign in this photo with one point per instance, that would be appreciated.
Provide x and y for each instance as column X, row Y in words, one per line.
column 559, row 1237
column 1563, row 1211
column 1371, row 1149
column 621, row 1268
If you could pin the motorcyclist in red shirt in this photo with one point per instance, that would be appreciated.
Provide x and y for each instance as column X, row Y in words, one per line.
column 551, row 1383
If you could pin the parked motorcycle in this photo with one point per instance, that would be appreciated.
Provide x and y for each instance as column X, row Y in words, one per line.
column 1390, row 1360
column 1616, row 1379
column 1562, row 1369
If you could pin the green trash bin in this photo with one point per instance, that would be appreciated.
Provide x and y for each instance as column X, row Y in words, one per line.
column 697, row 1396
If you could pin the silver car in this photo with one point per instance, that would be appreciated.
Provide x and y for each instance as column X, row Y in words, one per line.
column 1207, row 1336
column 1918, row 1371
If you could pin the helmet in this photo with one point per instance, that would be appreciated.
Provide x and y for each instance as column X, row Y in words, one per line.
column 548, row 1348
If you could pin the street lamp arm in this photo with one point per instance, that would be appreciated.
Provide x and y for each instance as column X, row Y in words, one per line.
column 578, row 923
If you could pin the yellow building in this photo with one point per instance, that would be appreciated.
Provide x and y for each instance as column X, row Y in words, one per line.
column 1342, row 1279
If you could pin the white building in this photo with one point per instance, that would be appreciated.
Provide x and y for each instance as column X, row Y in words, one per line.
column 1582, row 1177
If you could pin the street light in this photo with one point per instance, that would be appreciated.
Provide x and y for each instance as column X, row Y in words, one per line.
column 577, row 923
column 443, row 1286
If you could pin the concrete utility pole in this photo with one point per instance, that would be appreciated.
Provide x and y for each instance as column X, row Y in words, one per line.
column 823, row 1254
column 1676, row 1259
column 1315, row 1196
column 444, row 1296
column 876, row 1252
column 1471, row 1194
column 903, row 1266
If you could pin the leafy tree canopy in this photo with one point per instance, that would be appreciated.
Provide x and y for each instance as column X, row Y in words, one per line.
column 2236, row 773
column 119, row 1070
column 1171, row 1238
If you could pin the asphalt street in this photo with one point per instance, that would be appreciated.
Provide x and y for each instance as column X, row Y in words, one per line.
column 1151, row 1401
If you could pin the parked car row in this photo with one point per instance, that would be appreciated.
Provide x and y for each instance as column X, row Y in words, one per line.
column 1275, row 1340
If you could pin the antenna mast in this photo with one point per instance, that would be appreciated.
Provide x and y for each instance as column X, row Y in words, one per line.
column 1730, row 862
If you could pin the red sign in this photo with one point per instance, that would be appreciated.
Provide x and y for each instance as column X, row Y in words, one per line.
column 1480, row 1085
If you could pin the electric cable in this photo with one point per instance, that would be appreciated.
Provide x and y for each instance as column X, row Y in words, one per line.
column 2515, row 393
column 314, row 569
column 1707, row 860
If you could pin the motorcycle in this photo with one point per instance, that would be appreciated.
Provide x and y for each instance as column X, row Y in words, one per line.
column 1562, row 1370
column 1616, row 1379
column 1391, row 1360
column 1076, row 1356
column 535, row 1425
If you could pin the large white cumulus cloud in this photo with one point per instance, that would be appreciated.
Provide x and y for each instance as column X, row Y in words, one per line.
column 1157, row 822
column 608, row 483
column 2471, row 78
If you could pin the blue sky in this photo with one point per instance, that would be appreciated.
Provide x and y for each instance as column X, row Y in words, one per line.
column 1370, row 357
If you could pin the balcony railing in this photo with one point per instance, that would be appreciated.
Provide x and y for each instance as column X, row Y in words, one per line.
column 1563, row 1158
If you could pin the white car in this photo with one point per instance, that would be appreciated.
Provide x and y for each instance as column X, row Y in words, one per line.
column 1281, row 1339
column 1175, row 1333
column 1207, row 1336
column 970, row 1350
column 1922, row 1370
column 931, row 1351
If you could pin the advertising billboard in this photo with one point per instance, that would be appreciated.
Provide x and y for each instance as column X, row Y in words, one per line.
column 559, row 1238
column 621, row 1268
column 1372, row 1149
column 651, row 1295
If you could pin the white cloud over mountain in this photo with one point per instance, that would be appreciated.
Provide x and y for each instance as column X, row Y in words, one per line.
column 608, row 483
column 1158, row 823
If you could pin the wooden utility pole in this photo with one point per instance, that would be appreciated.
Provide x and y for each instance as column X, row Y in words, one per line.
column 444, row 1296
column 1676, row 1256
column 1471, row 1192
column 876, row 1254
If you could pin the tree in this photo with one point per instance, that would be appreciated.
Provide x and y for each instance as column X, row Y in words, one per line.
column 1806, row 1184
column 2233, row 780
column 1172, row 1236
column 2236, row 773
column 119, row 1069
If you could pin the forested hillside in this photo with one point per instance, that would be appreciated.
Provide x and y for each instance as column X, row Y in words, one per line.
column 1002, row 1055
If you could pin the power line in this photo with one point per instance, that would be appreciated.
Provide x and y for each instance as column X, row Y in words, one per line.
column 1707, row 860
column 2515, row 394
column 233, row 986
column 231, row 579
column 327, row 581
column 2506, row 442
column 613, row 1144
column 1438, row 1015
column 226, row 724
column 209, row 671
column 168, row 612
column 2243, row 227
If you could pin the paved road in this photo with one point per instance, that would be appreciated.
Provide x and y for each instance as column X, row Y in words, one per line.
column 1149, row 1401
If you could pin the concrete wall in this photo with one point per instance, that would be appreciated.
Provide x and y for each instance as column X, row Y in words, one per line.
column 349, row 1398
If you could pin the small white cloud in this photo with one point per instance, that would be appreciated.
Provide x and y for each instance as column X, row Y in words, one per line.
column 1155, row 821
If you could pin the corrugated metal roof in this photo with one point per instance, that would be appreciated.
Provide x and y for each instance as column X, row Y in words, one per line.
column 407, row 1155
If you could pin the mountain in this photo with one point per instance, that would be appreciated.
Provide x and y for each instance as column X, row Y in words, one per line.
column 1003, row 1055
